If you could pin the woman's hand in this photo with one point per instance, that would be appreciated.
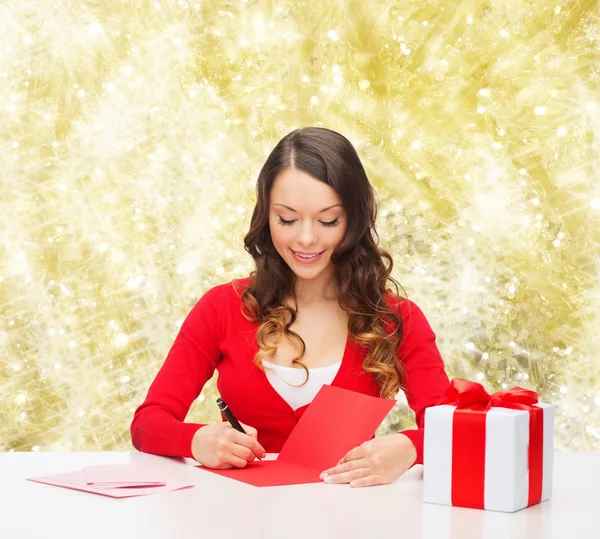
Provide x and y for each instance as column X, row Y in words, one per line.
column 376, row 462
column 220, row 446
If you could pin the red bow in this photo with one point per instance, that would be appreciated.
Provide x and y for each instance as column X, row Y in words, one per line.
column 466, row 394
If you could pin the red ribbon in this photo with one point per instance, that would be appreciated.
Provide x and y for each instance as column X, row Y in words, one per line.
column 472, row 402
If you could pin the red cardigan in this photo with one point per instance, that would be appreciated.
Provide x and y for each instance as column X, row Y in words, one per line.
column 215, row 335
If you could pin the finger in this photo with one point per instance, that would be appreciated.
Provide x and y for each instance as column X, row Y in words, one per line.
column 347, row 476
column 250, row 431
column 249, row 442
column 359, row 452
column 356, row 453
column 235, row 461
column 346, row 467
column 243, row 452
column 227, row 459
column 368, row 481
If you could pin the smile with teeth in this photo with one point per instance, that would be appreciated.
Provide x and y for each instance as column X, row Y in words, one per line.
column 307, row 257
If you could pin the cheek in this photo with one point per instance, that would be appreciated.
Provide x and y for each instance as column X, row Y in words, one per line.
column 338, row 235
column 279, row 234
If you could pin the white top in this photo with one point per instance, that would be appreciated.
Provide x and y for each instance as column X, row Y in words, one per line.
column 287, row 381
column 228, row 509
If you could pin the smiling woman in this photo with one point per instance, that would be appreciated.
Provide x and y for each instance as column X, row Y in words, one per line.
column 315, row 311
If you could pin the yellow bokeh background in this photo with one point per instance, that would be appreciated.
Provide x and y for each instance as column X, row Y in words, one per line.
column 132, row 133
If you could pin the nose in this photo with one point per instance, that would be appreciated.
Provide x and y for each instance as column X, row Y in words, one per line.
column 307, row 235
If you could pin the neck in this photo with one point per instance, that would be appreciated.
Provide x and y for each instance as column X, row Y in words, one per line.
column 314, row 291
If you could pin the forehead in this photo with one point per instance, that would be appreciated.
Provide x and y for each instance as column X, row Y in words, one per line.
column 302, row 191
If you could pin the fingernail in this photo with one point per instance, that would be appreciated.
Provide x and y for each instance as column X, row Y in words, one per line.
column 327, row 479
column 323, row 475
column 352, row 484
column 263, row 455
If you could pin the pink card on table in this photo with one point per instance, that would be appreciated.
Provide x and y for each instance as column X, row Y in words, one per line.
column 124, row 475
column 123, row 481
column 336, row 421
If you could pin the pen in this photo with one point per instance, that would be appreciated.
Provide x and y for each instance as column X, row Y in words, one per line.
column 230, row 417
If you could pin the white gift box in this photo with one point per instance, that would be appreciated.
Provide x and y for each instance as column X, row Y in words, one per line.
column 506, row 447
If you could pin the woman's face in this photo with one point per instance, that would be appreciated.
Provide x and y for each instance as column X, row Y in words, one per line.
column 306, row 217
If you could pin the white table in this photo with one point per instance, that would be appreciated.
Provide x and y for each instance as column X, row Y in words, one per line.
column 220, row 508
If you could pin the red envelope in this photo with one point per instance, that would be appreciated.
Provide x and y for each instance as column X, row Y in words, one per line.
column 336, row 421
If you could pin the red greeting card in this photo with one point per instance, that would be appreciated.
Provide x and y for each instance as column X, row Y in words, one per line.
column 336, row 421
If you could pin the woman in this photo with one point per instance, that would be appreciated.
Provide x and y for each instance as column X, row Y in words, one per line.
column 315, row 311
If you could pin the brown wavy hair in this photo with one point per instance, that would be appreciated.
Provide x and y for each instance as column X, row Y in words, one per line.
column 360, row 270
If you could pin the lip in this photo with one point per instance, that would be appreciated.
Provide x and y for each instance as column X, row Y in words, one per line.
column 305, row 261
column 306, row 254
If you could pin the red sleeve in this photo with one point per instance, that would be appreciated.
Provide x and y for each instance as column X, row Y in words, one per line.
column 157, row 425
column 425, row 379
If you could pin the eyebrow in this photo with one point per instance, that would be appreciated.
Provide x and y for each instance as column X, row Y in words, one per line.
column 321, row 211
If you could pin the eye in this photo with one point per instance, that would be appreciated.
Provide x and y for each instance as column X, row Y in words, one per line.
column 335, row 222
column 284, row 222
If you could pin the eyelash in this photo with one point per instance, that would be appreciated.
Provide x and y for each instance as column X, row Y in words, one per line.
column 335, row 222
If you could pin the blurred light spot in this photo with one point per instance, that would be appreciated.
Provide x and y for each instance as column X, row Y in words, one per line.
column 135, row 281
column 122, row 339
column 333, row 35
column 95, row 29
